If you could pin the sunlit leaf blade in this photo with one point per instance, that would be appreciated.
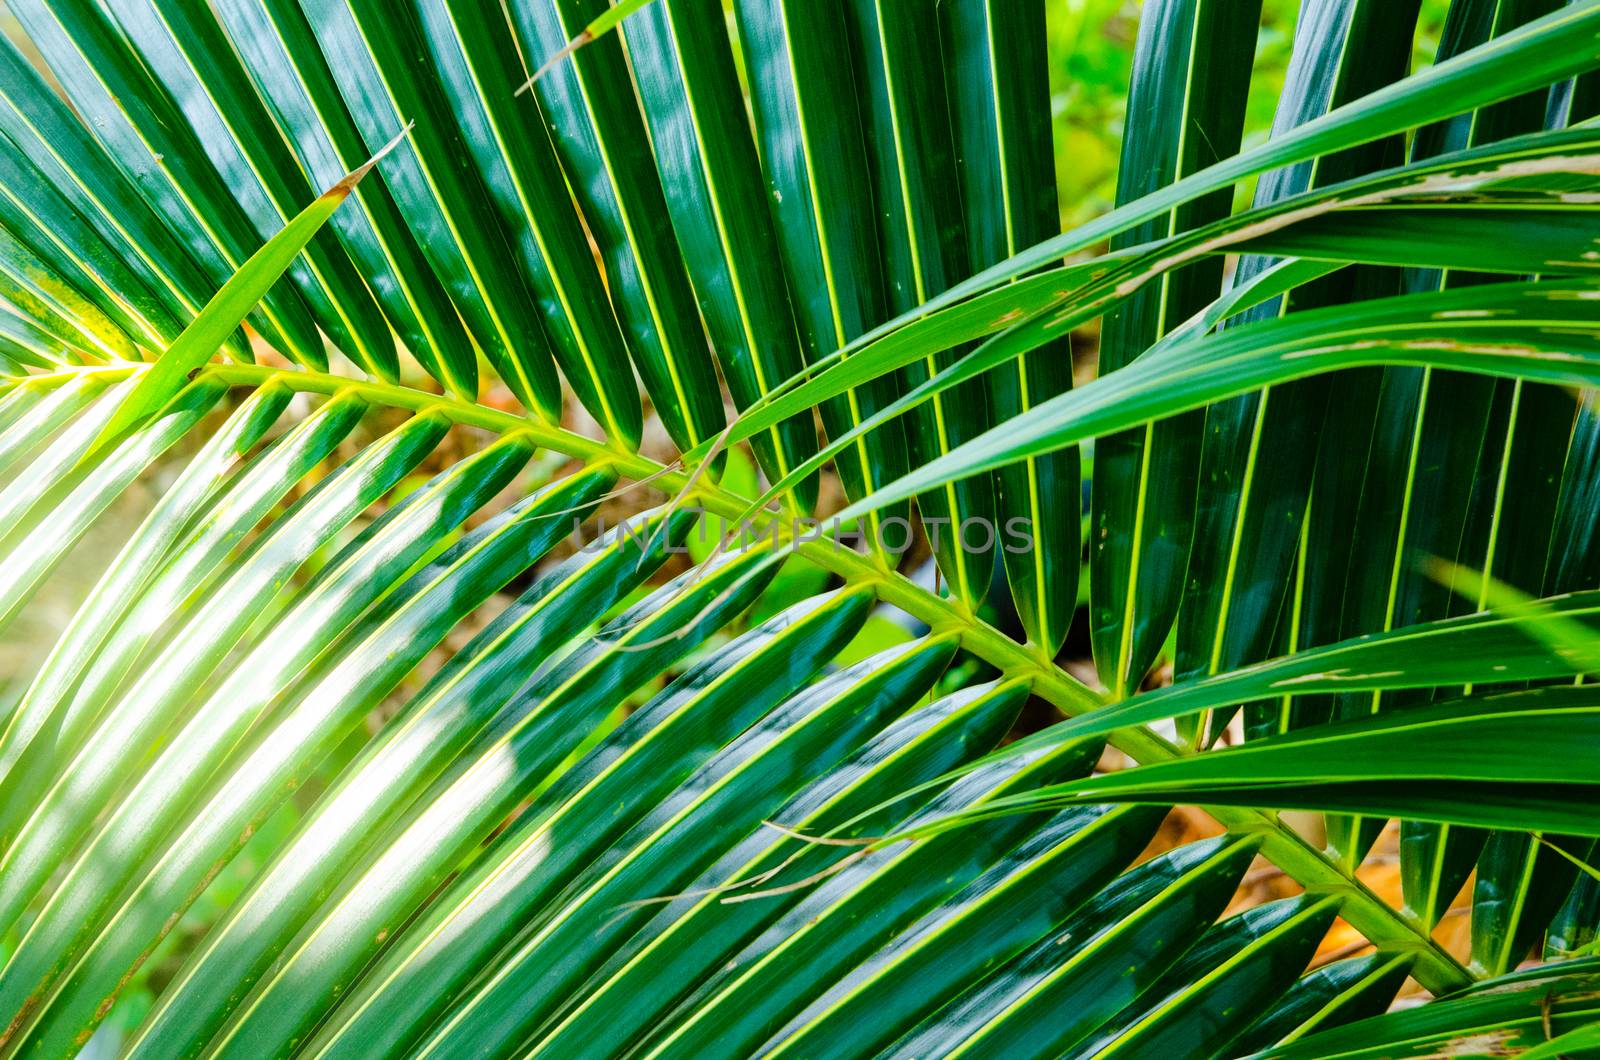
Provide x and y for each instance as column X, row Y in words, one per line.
column 52, row 462
column 86, row 638
column 354, row 581
column 40, row 538
column 1260, row 450
column 683, row 66
column 186, row 50
column 639, row 793
column 910, row 155
column 442, row 721
column 318, row 706
column 33, row 413
column 381, row 72
column 809, row 130
column 75, row 687
column 141, row 127
column 998, row 74
column 289, row 71
column 729, row 795
column 601, row 139
column 1416, row 501
column 1233, row 969
column 505, row 135
column 191, row 657
column 555, row 710
column 1120, row 943
column 1188, row 110
column 693, row 934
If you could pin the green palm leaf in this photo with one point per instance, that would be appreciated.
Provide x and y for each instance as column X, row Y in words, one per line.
column 355, row 700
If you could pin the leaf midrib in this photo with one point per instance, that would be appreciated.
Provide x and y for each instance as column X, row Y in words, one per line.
column 1380, row 922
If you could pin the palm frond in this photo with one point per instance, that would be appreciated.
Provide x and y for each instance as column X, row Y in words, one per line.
column 366, row 737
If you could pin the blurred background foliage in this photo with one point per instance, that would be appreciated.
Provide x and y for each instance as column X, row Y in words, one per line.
column 1091, row 53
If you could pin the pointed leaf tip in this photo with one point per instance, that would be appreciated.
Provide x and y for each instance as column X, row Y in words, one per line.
column 347, row 183
column 589, row 34
column 226, row 310
column 551, row 63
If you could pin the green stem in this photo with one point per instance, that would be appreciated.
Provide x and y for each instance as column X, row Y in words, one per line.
column 1385, row 926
